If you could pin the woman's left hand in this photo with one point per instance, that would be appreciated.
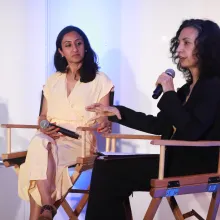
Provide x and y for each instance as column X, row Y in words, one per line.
column 104, row 126
column 166, row 82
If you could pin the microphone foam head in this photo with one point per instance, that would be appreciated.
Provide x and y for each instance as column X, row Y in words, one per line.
column 170, row 72
column 44, row 124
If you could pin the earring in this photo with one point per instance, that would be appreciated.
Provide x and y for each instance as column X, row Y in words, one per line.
column 85, row 50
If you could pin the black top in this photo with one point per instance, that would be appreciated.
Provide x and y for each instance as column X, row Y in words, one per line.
column 196, row 119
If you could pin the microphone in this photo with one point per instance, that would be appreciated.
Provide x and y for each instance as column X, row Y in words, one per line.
column 46, row 124
column 157, row 92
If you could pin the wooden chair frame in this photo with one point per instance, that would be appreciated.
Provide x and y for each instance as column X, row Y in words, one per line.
column 83, row 163
column 170, row 187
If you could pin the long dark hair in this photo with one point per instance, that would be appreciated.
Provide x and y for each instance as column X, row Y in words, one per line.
column 207, row 48
column 89, row 66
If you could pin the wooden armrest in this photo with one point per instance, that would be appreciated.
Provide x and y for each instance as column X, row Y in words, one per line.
column 186, row 143
column 19, row 126
column 131, row 136
column 14, row 159
column 86, row 128
column 184, row 180
column 14, row 155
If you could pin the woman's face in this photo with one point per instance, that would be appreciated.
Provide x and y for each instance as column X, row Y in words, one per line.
column 73, row 48
column 186, row 48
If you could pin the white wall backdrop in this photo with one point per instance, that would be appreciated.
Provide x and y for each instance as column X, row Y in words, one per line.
column 131, row 38
column 22, row 60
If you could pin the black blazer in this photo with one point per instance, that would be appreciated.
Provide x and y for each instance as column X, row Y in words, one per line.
column 196, row 119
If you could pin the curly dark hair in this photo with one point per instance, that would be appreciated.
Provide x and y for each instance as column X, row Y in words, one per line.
column 207, row 48
column 89, row 66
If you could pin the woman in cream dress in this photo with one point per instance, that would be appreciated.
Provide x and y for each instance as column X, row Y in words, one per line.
column 44, row 178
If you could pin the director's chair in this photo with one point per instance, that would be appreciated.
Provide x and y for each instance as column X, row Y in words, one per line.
column 83, row 163
column 173, row 186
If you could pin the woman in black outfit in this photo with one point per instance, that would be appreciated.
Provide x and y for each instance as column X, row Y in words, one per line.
column 192, row 113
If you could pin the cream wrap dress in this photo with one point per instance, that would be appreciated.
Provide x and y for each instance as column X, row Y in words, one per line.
column 68, row 112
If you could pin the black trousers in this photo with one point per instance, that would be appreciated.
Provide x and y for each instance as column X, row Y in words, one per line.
column 114, row 180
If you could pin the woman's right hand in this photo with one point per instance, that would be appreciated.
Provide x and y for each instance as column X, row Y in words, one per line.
column 103, row 111
column 51, row 131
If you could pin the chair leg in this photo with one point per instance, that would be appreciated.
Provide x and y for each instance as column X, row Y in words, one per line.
column 127, row 207
column 175, row 208
column 58, row 203
column 68, row 210
column 214, row 204
column 152, row 209
column 81, row 204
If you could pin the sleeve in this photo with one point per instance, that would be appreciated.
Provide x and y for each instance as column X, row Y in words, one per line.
column 195, row 121
column 140, row 121
column 46, row 90
column 105, row 85
column 48, row 85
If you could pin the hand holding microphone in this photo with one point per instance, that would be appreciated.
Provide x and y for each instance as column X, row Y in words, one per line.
column 53, row 129
column 164, row 83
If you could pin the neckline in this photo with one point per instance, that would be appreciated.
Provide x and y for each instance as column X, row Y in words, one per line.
column 188, row 97
column 66, row 90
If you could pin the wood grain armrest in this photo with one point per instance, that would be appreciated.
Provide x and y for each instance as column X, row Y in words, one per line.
column 186, row 143
column 86, row 128
column 14, row 155
column 184, row 180
column 19, row 126
column 131, row 136
column 14, row 159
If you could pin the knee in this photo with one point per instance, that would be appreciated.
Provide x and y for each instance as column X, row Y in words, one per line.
column 39, row 142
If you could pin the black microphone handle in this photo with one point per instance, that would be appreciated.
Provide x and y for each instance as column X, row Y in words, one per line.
column 157, row 92
column 67, row 132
